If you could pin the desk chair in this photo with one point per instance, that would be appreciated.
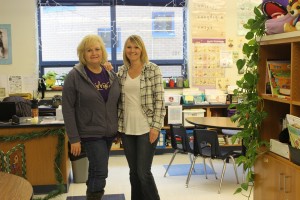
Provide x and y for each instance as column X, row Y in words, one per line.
column 206, row 145
column 230, row 133
column 180, row 142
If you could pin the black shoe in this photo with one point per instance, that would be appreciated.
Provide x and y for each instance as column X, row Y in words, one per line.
column 94, row 195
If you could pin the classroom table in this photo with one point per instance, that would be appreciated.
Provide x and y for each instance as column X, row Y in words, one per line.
column 214, row 122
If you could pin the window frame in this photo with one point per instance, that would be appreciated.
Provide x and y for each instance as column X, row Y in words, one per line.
column 112, row 3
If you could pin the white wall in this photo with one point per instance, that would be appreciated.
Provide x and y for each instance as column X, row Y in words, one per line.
column 21, row 15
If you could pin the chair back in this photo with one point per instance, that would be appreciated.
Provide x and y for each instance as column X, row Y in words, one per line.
column 179, row 138
column 206, row 143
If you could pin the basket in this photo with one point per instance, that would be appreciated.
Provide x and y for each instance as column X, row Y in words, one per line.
column 192, row 113
column 172, row 99
column 216, row 98
column 294, row 155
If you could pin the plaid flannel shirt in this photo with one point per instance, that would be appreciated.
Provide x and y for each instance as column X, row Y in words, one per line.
column 152, row 95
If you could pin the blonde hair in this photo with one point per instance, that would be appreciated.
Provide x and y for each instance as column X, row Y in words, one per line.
column 86, row 42
column 137, row 40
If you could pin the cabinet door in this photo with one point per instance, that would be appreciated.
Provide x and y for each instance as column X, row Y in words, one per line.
column 267, row 178
column 286, row 183
column 274, row 180
column 296, row 187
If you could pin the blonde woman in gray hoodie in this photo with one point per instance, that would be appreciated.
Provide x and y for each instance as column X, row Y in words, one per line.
column 89, row 104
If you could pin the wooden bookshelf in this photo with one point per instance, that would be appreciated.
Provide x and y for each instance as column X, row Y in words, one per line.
column 275, row 176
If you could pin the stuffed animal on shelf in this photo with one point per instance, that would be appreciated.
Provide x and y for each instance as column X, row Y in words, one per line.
column 277, row 14
column 294, row 10
column 274, row 8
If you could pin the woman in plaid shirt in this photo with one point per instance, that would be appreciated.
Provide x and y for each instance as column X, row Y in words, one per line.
column 141, row 115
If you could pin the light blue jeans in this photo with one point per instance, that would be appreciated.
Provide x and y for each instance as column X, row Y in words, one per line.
column 139, row 153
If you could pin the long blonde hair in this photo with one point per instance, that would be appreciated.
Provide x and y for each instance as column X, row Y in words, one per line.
column 137, row 40
column 86, row 42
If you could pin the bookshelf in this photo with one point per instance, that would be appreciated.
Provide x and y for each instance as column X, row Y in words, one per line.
column 276, row 176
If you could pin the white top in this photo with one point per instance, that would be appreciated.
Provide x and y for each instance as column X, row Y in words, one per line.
column 135, row 121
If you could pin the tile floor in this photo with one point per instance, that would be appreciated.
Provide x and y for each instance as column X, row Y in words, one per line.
column 170, row 187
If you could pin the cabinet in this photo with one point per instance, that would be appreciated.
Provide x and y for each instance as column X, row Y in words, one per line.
column 277, row 177
column 40, row 154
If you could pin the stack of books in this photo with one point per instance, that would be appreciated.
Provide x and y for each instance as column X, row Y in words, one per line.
column 279, row 72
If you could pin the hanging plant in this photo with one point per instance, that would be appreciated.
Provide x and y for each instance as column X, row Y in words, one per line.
column 250, row 112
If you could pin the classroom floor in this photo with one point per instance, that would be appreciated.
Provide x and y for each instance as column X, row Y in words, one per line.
column 170, row 187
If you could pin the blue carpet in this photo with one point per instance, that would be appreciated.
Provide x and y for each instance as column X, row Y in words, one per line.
column 183, row 169
column 105, row 197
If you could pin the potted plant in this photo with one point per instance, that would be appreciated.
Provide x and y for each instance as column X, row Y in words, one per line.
column 250, row 112
column 62, row 78
column 50, row 79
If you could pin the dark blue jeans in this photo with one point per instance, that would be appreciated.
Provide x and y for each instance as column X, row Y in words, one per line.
column 139, row 153
column 97, row 152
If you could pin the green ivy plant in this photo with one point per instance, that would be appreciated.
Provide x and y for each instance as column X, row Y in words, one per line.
column 250, row 112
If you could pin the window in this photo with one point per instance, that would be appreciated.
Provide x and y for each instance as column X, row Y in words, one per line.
column 62, row 26
column 163, row 24
column 105, row 34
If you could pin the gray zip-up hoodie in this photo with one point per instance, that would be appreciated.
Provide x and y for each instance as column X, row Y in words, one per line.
column 85, row 112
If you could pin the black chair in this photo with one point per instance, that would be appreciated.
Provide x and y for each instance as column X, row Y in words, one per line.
column 206, row 145
column 180, row 142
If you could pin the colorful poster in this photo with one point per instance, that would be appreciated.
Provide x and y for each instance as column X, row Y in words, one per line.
column 206, row 62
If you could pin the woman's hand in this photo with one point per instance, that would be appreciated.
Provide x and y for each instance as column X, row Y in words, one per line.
column 108, row 66
column 153, row 134
column 76, row 149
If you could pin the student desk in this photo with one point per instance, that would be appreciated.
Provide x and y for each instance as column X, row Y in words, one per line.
column 14, row 187
column 39, row 152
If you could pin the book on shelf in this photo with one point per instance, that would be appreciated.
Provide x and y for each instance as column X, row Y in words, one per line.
column 293, row 124
column 279, row 73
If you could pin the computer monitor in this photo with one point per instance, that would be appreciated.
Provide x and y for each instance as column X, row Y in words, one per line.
column 7, row 110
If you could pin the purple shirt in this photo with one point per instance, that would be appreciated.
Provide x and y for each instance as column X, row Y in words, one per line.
column 100, row 81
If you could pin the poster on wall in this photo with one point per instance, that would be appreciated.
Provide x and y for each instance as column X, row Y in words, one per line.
column 206, row 62
column 208, row 19
column 5, row 44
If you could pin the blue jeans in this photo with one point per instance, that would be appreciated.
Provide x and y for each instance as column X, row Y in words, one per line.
column 97, row 152
column 139, row 153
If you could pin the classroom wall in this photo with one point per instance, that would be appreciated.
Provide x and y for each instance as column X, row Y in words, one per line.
column 22, row 17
